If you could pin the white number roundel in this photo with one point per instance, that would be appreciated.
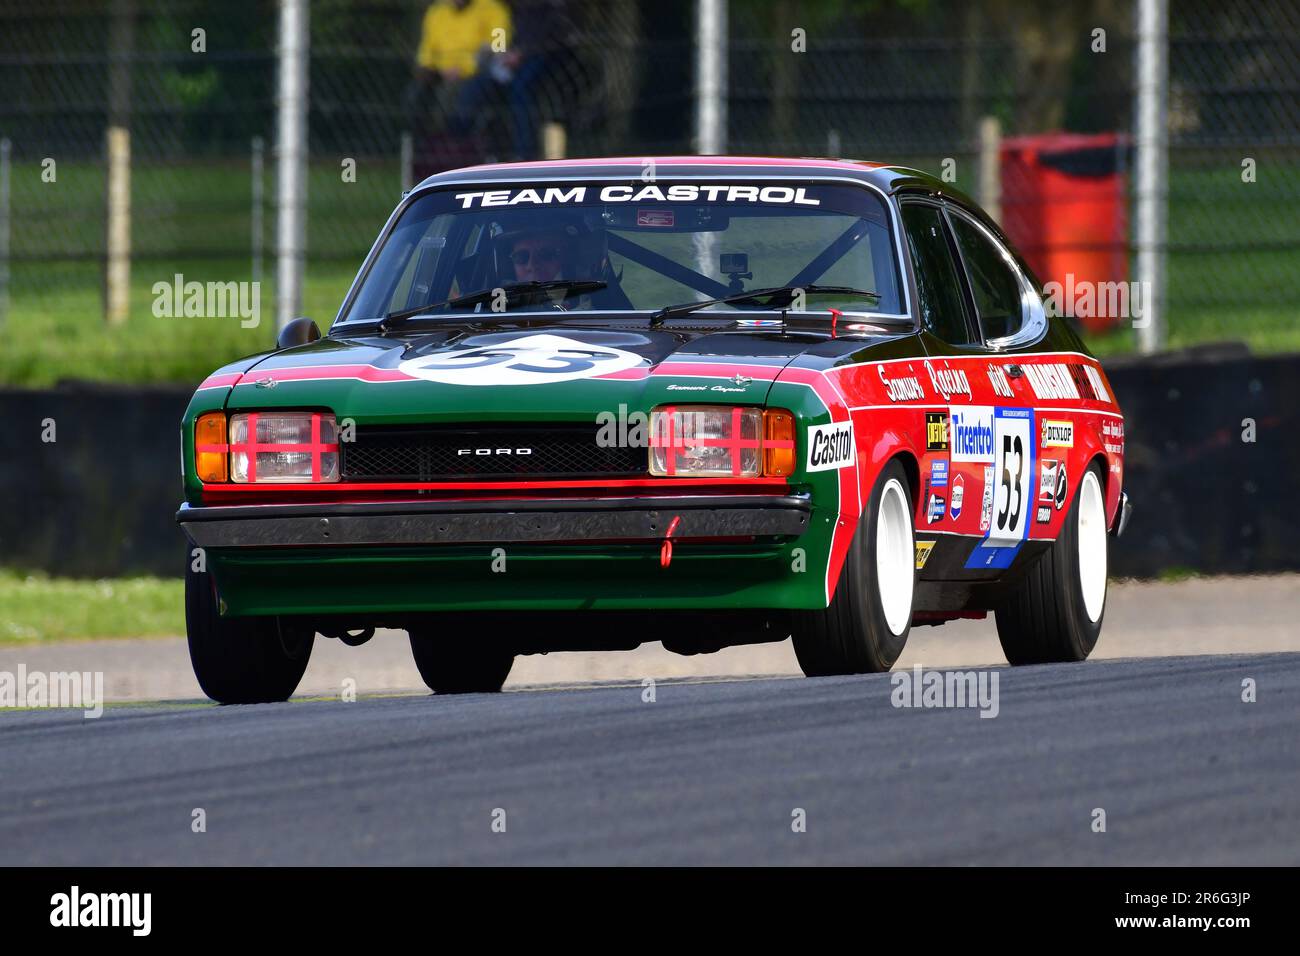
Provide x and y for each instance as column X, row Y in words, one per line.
column 531, row 360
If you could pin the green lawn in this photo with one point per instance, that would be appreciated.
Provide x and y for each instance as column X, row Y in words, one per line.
column 39, row 608
column 1233, row 269
column 193, row 219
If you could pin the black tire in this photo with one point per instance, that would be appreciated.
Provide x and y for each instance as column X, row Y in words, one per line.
column 449, row 665
column 1045, row 619
column 853, row 634
column 241, row 660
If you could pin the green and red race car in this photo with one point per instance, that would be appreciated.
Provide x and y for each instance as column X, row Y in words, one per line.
column 706, row 401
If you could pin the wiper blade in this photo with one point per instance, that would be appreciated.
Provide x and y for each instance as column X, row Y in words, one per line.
column 787, row 292
column 512, row 290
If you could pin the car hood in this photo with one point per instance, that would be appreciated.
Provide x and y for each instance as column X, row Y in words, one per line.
column 549, row 372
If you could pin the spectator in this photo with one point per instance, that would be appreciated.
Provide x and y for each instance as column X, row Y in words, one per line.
column 542, row 33
column 456, row 41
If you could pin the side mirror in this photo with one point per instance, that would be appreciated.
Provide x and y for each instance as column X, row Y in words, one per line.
column 298, row 332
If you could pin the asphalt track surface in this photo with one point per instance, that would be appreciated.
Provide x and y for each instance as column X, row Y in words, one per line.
column 710, row 772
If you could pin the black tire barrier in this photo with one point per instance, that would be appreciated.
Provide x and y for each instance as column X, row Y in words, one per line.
column 101, row 499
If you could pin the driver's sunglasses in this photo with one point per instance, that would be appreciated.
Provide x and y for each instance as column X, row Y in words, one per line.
column 545, row 256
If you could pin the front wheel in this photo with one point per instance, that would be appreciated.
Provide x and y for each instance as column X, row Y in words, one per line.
column 241, row 660
column 1054, row 615
column 452, row 663
column 866, row 625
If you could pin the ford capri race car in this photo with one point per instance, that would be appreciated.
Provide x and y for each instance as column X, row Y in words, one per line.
column 705, row 401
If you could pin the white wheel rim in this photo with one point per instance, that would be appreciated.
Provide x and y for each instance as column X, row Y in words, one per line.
column 895, row 557
column 1092, row 546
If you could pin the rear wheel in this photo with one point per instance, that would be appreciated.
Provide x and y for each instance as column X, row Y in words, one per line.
column 450, row 665
column 866, row 625
column 1055, row 613
column 241, row 660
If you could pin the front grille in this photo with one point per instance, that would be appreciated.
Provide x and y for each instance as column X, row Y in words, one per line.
column 454, row 453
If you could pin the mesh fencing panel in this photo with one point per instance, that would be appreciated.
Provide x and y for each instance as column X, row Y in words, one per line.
column 900, row 82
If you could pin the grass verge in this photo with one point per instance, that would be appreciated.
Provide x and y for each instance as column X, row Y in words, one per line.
column 37, row 608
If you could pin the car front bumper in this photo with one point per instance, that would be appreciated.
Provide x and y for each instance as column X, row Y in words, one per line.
column 376, row 560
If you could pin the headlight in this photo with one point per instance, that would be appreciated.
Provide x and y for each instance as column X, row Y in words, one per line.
column 715, row 441
column 283, row 447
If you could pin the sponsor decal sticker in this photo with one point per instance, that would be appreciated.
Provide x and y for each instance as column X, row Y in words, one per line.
column 939, row 474
column 1112, row 437
column 972, row 434
column 659, row 218
column 998, row 379
column 986, row 503
column 1044, row 514
column 531, row 360
column 923, row 549
column 903, row 389
column 957, row 496
column 936, row 431
column 1066, row 380
column 682, row 192
column 934, row 510
column 830, row 446
column 1013, row 489
column 948, row 381
column 1058, row 434
column 1098, row 386
column 1052, row 380
column 1052, row 485
column 703, row 388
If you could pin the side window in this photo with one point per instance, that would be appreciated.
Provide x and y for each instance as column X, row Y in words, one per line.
column 939, row 289
column 994, row 283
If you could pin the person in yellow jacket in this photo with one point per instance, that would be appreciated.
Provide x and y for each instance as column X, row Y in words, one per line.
column 457, row 33
column 461, row 43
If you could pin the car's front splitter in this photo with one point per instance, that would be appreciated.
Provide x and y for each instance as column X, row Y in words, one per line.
column 762, row 518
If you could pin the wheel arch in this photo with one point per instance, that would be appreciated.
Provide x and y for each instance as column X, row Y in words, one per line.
column 911, row 468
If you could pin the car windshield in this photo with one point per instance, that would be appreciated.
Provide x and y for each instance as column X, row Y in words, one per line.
column 601, row 247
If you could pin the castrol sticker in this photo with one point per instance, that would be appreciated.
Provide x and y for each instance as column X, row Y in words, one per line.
column 830, row 446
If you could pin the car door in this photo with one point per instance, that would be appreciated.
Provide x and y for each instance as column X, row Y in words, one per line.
column 975, row 307
column 1010, row 321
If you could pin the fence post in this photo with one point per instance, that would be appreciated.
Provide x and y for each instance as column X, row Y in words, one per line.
column 255, row 216
column 408, row 162
column 118, row 284
column 1152, row 166
column 990, row 168
column 117, row 278
column 291, row 161
column 554, row 141
column 711, row 76
column 5, row 152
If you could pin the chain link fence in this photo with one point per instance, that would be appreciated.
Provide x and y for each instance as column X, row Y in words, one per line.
column 960, row 89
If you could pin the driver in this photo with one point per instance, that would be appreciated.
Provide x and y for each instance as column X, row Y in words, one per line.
column 541, row 256
column 569, row 249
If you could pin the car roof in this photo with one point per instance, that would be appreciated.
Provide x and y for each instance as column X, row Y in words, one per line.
column 885, row 177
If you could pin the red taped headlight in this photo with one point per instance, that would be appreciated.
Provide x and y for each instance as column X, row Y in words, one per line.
column 717, row 441
column 285, row 447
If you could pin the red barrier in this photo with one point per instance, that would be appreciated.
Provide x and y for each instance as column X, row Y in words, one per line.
column 1064, row 208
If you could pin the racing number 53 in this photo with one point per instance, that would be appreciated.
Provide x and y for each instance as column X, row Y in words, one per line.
column 1012, row 486
column 1013, row 439
column 563, row 361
